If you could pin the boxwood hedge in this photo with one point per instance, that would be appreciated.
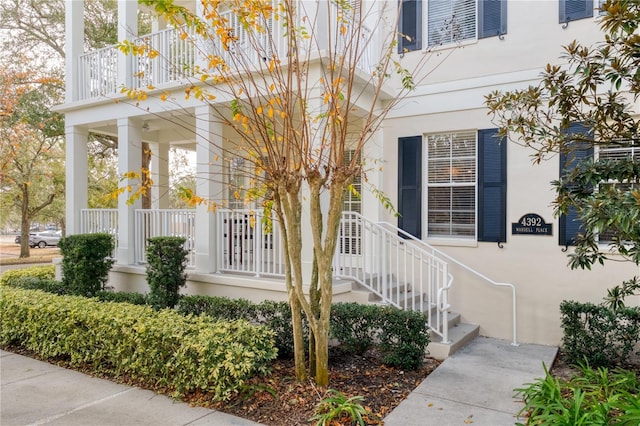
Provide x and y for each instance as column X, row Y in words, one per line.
column 182, row 353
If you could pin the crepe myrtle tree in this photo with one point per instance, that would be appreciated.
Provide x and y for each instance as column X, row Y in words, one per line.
column 589, row 101
column 291, row 112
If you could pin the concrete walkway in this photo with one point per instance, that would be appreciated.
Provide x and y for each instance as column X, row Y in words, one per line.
column 474, row 386
column 37, row 393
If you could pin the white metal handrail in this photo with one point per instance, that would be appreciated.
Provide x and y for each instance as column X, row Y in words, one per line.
column 163, row 223
column 402, row 275
column 441, row 254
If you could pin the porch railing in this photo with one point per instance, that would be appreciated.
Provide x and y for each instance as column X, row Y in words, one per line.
column 401, row 274
column 247, row 246
column 93, row 221
column 178, row 51
column 161, row 223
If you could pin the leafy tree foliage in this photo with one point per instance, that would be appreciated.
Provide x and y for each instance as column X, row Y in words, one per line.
column 293, row 114
column 598, row 87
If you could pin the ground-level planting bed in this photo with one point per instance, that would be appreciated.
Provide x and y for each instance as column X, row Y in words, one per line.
column 279, row 400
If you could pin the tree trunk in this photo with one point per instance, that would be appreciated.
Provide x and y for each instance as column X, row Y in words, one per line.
column 287, row 213
column 25, row 223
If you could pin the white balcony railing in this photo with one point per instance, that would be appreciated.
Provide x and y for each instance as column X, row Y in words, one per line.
column 98, row 73
column 178, row 52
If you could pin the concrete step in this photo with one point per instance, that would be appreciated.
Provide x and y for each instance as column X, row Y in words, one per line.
column 459, row 335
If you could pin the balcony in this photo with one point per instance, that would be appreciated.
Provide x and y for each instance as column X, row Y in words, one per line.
column 180, row 51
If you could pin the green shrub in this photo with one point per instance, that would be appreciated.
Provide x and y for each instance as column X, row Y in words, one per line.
column 592, row 397
column 355, row 326
column 597, row 334
column 275, row 315
column 121, row 297
column 403, row 338
column 183, row 353
column 45, row 272
column 36, row 283
column 166, row 263
column 86, row 262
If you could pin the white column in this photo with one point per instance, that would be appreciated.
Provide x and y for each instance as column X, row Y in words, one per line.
column 127, row 29
column 74, row 46
column 76, row 177
column 129, row 160
column 208, row 186
column 159, row 175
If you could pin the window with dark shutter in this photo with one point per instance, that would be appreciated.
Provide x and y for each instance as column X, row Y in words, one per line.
column 492, row 186
column 409, row 185
column 572, row 10
column 492, row 18
column 410, row 26
column 570, row 225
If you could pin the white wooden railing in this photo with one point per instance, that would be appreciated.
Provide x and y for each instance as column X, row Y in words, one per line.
column 98, row 73
column 93, row 221
column 246, row 247
column 161, row 223
column 178, row 52
column 403, row 275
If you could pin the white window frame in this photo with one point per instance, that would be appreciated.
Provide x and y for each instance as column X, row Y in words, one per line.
column 633, row 151
column 428, row 30
column 451, row 237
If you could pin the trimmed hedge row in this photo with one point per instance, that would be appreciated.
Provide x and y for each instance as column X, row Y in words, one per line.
column 183, row 353
column 598, row 334
column 44, row 272
column 401, row 336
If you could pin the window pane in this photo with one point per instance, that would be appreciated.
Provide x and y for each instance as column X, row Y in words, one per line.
column 451, row 185
column 451, row 21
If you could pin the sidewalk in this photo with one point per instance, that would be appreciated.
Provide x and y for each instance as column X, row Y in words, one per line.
column 36, row 393
column 473, row 386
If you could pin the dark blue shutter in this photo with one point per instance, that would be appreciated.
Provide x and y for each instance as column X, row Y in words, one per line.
column 571, row 10
column 492, row 186
column 492, row 18
column 409, row 185
column 570, row 225
column 410, row 25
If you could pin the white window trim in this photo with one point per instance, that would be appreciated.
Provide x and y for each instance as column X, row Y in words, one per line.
column 461, row 241
column 445, row 46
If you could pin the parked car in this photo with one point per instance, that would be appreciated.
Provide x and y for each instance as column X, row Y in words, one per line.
column 18, row 238
column 44, row 239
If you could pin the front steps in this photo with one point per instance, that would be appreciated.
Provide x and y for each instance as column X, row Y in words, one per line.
column 459, row 333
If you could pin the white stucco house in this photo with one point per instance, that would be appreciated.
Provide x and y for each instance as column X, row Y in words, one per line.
column 488, row 255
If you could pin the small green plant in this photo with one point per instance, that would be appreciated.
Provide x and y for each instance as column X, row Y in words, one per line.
column 591, row 397
column 86, row 262
column 166, row 263
column 336, row 406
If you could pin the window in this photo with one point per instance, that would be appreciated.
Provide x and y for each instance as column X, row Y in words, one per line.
column 410, row 26
column 353, row 202
column 572, row 10
column 450, row 21
column 613, row 154
column 451, row 185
